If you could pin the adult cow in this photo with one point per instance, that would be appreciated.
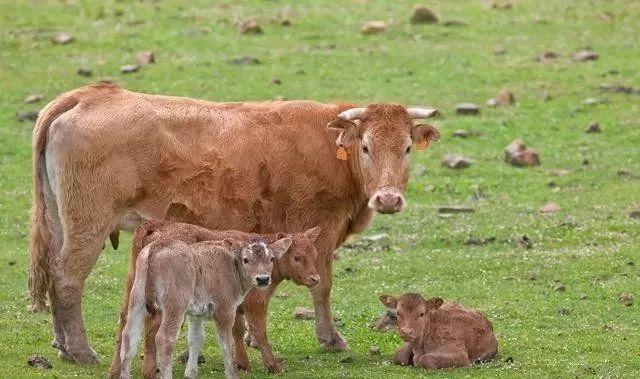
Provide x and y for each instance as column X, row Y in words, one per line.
column 100, row 152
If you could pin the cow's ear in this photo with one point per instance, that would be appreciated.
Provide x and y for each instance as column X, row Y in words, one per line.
column 280, row 247
column 313, row 233
column 230, row 244
column 348, row 134
column 422, row 135
column 434, row 303
column 389, row 301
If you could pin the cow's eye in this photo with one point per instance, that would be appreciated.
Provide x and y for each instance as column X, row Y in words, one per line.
column 398, row 314
column 365, row 149
column 408, row 150
column 422, row 314
column 296, row 258
column 245, row 260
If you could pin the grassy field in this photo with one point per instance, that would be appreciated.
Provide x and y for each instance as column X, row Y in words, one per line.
column 591, row 246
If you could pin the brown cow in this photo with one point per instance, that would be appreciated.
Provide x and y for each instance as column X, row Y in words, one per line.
column 297, row 264
column 204, row 280
column 101, row 151
column 440, row 336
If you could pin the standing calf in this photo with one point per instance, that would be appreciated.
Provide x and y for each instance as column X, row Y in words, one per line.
column 205, row 279
column 298, row 263
column 440, row 336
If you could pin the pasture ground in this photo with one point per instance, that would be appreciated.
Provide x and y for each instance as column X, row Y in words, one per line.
column 591, row 246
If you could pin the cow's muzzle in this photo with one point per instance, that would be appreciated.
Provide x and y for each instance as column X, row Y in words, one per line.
column 387, row 200
column 262, row 280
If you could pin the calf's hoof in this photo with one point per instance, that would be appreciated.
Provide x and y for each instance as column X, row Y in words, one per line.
column 243, row 365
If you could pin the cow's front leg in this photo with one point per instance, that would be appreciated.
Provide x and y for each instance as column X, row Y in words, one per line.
column 326, row 331
column 255, row 309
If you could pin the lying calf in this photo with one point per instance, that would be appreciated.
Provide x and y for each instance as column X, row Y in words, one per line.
column 297, row 264
column 205, row 279
column 440, row 336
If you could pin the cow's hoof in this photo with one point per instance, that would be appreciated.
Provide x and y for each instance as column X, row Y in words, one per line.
column 274, row 367
column 336, row 343
column 243, row 365
column 88, row 357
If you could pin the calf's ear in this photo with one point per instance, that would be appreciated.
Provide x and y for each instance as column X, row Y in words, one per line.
column 348, row 134
column 280, row 247
column 313, row 233
column 423, row 134
column 389, row 301
column 231, row 244
column 434, row 303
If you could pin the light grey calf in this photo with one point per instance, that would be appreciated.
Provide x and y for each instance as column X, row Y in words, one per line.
column 204, row 280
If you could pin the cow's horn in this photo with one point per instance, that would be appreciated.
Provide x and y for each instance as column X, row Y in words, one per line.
column 352, row 114
column 421, row 112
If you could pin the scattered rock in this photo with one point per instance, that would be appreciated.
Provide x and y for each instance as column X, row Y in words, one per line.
column 245, row 60
column 376, row 237
column 285, row 21
column 547, row 56
column 386, row 322
column 374, row 350
column 559, row 287
column 11, row 263
column 619, row 89
column 184, row 357
column 533, row 275
column 454, row 23
column 583, row 297
column 276, row 81
column 492, row 103
column 304, row 314
column 40, row 363
column 635, row 214
column 27, row 116
column 607, row 327
column 33, row 98
column 606, row 16
column 499, row 50
column 423, row 15
column 545, row 96
column 373, row 27
column 517, row 154
column 563, row 312
column 83, row 71
column 455, row 209
column 509, row 360
column 585, row 55
column 129, row 68
column 462, row 133
column 456, row 161
column 250, row 27
column 505, row 97
column 626, row 298
column 467, row 109
column 525, row 242
column 348, row 359
column 146, row 57
column 500, row 6
column 550, row 208
column 592, row 101
column 474, row 241
column 593, row 127
column 624, row 173
column 62, row 38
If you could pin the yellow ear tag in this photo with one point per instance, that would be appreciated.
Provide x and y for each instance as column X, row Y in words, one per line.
column 341, row 153
column 422, row 145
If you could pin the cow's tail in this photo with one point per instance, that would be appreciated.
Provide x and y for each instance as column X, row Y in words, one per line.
column 40, row 232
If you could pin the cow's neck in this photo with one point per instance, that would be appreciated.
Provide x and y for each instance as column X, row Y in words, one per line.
column 362, row 214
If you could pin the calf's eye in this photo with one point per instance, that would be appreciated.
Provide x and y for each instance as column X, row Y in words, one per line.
column 272, row 259
column 296, row 258
column 422, row 314
column 365, row 149
column 408, row 150
column 245, row 260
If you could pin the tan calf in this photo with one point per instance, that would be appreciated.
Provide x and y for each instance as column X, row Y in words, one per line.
column 204, row 280
column 440, row 336
column 298, row 263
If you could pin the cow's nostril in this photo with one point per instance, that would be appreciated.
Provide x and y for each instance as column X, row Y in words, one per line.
column 263, row 280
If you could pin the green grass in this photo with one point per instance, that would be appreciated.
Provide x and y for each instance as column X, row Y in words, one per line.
column 591, row 246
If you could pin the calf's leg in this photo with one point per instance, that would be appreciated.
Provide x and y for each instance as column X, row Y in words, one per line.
column 404, row 355
column 151, row 326
column 165, row 341
column 443, row 358
column 240, row 353
column 255, row 309
column 326, row 331
column 131, row 334
column 196, row 340
column 224, row 318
